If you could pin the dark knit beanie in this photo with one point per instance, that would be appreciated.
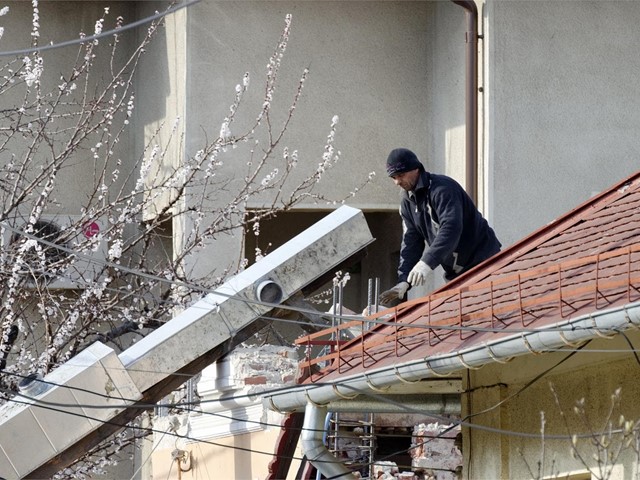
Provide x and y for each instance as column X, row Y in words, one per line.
column 402, row 160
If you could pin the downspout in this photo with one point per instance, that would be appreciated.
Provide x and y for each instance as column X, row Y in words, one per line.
column 315, row 449
column 325, row 435
column 471, row 98
column 316, row 422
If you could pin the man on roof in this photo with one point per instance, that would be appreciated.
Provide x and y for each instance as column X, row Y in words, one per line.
column 441, row 226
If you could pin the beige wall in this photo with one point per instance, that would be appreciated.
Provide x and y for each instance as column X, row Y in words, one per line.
column 230, row 458
column 592, row 374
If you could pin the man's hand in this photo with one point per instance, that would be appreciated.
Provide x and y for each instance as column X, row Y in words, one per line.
column 396, row 293
column 418, row 274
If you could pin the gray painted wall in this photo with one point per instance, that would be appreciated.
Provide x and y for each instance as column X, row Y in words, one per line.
column 60, row 22
column 369, row 64
column 564, row 105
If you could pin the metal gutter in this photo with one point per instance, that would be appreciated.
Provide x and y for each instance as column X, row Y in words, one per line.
column 571, row 332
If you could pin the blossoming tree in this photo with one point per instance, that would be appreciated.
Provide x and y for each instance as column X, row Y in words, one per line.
column 58, row 294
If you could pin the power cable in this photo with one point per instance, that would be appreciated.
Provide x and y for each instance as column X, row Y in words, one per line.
column 150, row 454
column 97, row 36
column 147, row 429
column 405, row 408
column 271, row 391
column 381, row 398
column 502, row 330
column 250, row 301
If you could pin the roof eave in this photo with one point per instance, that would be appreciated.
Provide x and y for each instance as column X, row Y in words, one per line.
column 573, row 331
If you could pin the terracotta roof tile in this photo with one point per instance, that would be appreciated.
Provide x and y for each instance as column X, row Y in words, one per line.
column 585, row 261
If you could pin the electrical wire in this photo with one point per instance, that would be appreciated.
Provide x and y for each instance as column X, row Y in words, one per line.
column 150, row 454
column 132, row 403
column 475, row 329
column 148, row 429
column 270, row 391
column 407, row 409
column 257, row 302
column 249, row 301
column 187, row 437
column 204, row 290
column 97, row 36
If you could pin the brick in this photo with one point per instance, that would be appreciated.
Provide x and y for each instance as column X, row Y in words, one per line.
column 256, row 380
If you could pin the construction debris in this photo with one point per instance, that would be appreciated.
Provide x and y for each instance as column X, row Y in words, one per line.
column 436, row 451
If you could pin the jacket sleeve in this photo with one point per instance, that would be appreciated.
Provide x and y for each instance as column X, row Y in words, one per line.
column 448, row 207
column 412, row 246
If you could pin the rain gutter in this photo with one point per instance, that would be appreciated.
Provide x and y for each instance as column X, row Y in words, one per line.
column 571, row 332
column 471, row 97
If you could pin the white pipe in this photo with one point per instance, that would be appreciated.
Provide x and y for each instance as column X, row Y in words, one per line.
column 438, row 404
column 314, row 448
column 573, row 331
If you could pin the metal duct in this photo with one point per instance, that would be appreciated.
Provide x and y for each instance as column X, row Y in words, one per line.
column 81, row 394
column 237, row 303
column 210, row 328
column 269, row 291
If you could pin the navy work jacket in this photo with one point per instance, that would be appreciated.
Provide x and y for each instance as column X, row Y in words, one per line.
column 440, row 213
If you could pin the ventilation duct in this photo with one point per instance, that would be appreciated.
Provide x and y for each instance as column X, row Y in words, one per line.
column 97, row 385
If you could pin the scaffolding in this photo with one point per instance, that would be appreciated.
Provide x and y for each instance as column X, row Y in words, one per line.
column 353, row 441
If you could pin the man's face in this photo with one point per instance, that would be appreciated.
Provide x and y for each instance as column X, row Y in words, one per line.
column 407, row 180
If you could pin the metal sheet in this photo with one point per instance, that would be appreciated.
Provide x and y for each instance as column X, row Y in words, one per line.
column 32, row 430
column 222, row 313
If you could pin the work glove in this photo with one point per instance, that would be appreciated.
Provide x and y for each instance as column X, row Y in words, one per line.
column 418, row 274
column 396, row 293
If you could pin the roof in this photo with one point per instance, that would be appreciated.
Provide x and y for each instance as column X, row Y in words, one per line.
column 583, row 262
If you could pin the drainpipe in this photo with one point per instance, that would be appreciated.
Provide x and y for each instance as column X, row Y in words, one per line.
column 315, row 449
column 471, row 98
column 316, row 423
column 433, row 404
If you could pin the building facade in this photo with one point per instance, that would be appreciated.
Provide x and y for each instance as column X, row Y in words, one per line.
column 557, row 107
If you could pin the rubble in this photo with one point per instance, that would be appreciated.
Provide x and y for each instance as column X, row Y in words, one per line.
column 435, row 451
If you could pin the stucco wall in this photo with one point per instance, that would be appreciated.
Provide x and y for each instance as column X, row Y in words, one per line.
column 563, row 105
column 592, row 374
column 225, row 458
column 61, row 22
column 369, row 64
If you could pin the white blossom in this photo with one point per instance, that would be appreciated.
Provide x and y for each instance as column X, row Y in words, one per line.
column 98, row 27
column 225, row 131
